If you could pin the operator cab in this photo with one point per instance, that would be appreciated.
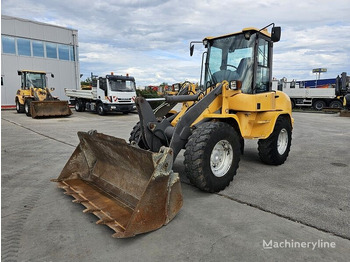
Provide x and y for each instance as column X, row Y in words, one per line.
column 31, row 79
column 245, row 57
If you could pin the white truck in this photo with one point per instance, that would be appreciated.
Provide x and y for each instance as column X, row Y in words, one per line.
column 110, row 93
column 321, row 94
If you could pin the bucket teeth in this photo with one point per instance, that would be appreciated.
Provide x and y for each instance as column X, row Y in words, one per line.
column 91, row 210
column 69, row 191
column 122, row 185
column 104, row 221
column 79, row 201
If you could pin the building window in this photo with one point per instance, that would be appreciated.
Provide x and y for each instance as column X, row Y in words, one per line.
column 38, row 48
column 63, row 52
column 8, row 45
column 23, row 47
column 51, row 50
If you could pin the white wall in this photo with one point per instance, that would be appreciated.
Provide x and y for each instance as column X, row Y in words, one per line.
column 66, row 72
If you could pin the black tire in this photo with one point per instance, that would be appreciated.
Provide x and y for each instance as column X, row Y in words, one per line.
column 79, row 106
column 275, row 149
column 319, row 105
column 19, row 107
column 292, row 103
column 100, row 109
column 200, row 157
column 27, row 107
column 135, row 137
column 336, row 104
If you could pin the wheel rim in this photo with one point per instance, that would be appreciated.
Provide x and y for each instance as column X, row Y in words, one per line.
column 17, row 105
column 26, row 106
column 282, row 141
column 221, row 158
column 319, row 106
column 77, row 107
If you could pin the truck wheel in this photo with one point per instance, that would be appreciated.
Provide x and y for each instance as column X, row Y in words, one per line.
column 319, row 105
column 336, row 104
column 27, row 107
column 100, row 109
column 275, row 149
column 212, row 156
column 79, row 106
column 135, row 136
column 19, row 107
column 292, row 103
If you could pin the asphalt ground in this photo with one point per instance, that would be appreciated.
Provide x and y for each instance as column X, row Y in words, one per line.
column 297, row 211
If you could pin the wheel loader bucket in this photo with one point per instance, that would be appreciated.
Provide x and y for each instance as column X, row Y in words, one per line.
column 131, row 190
column 49, row 108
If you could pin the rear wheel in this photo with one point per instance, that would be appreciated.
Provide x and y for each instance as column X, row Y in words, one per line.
column 27, row 107
column 79, row 106
column 275, row 149
column 19, row 107
column 336, row 104
column 212, row 156
column 319, row 105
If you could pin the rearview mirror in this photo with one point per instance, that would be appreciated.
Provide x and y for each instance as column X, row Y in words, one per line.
column 191, row 50
column 276, row 34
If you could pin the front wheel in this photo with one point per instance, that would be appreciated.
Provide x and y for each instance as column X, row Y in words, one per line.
column 212, row 156
column 275, row 149
column 100, row 109
column 19, row 107
column 136, row 136
column 27, row 109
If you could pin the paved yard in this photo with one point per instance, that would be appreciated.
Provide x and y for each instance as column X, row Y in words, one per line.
column 296, row 211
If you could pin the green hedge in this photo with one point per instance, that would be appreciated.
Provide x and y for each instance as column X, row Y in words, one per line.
column 150, row 94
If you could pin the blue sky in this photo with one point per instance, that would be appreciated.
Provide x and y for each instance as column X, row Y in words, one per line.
column 149, row 39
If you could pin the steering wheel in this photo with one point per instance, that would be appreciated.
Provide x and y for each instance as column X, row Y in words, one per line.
column 235, row 67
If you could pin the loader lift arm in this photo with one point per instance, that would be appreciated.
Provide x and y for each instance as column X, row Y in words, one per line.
column 158, row 133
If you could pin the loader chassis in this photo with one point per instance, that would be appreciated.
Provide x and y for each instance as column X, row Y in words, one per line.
column 35, row 99
column 233, row 102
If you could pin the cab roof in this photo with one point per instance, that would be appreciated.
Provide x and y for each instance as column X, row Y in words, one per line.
column 251, row 29
column 32, row 71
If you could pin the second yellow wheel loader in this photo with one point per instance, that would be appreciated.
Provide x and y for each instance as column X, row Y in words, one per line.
column 35, row 99
column 133, row 189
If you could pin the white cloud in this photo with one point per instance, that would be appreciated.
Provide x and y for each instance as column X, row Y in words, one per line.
column 150, row 38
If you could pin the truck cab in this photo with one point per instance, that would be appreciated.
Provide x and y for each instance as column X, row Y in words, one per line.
column 111, row 93
column 115, row 93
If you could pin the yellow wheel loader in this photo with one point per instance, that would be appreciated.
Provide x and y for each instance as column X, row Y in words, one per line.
column 132, row 188
column 34, row 97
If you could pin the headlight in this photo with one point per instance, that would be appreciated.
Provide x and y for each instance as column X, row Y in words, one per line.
column 235, row 85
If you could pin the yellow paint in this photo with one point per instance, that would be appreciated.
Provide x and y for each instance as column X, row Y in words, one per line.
column 37, row 94
column 253, row 121
column 265, row 32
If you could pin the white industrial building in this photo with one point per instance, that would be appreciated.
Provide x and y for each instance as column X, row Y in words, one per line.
column 32, row 45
